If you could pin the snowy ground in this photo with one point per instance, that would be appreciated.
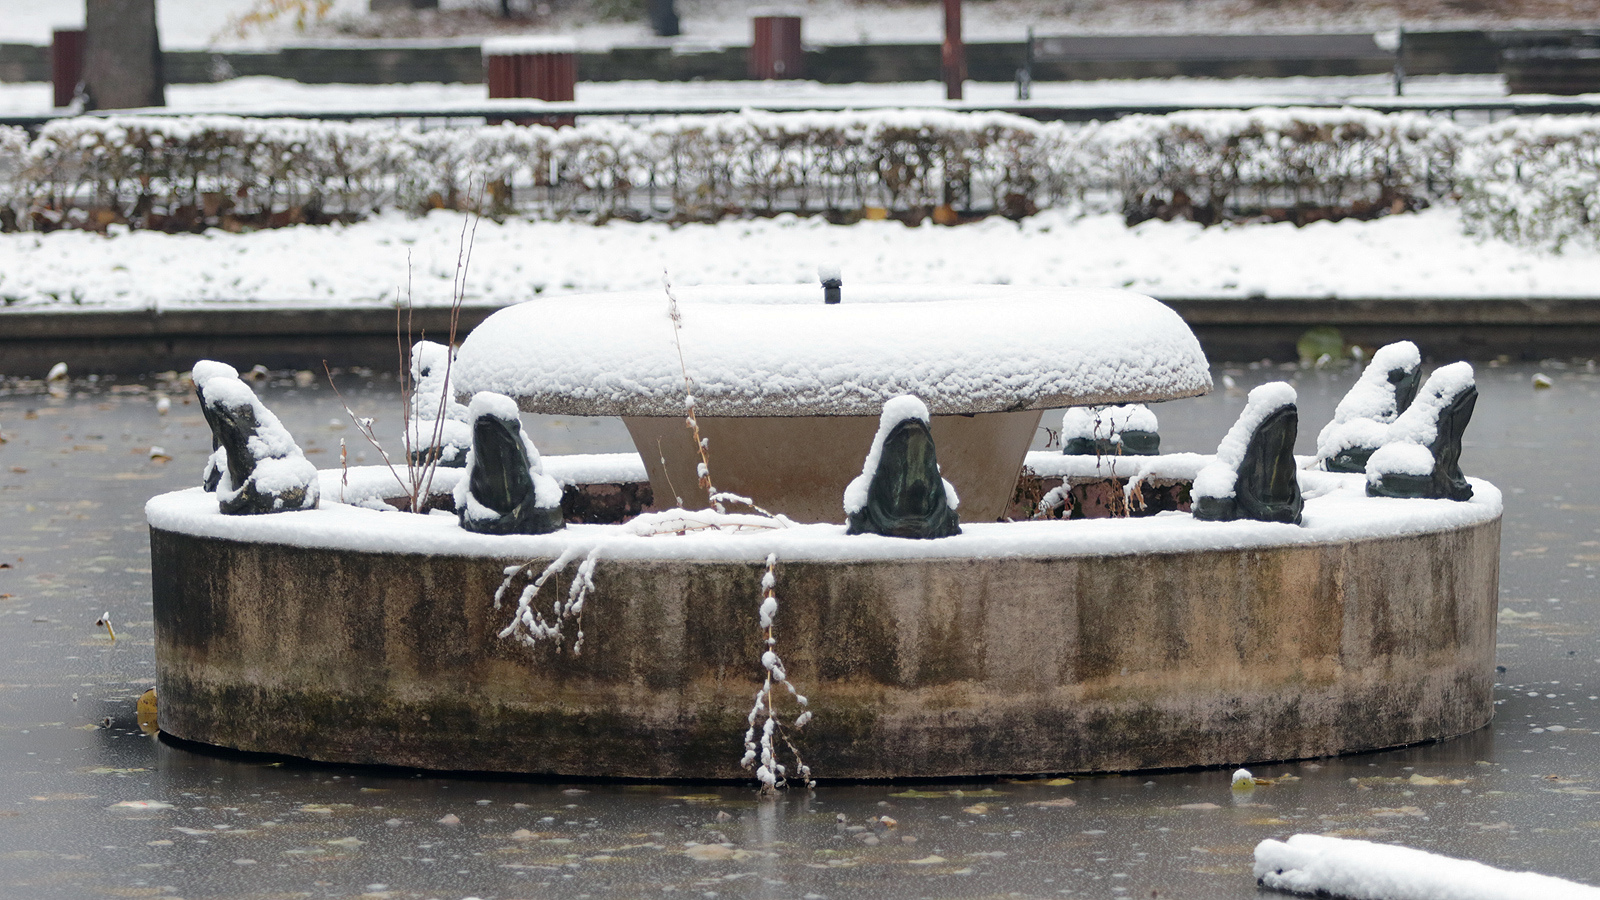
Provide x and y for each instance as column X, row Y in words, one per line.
column 1414, row 255
column 280, row 95
column 194, row 24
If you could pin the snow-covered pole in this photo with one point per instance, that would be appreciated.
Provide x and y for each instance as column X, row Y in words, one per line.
column 954, row 53
column 832, row 281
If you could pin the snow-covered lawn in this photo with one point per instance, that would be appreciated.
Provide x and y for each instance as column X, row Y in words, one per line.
column 1413, row 255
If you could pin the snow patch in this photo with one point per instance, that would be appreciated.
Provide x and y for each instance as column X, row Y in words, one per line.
column 1362, row 870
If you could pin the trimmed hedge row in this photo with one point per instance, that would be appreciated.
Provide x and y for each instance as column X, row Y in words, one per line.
column 1527, row 179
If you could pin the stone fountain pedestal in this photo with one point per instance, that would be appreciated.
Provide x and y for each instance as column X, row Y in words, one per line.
column 788, row 390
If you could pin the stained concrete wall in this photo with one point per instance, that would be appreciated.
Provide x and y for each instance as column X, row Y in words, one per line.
column 914, row 668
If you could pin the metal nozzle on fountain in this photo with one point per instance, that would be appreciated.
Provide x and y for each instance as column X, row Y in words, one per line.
column 828, row 273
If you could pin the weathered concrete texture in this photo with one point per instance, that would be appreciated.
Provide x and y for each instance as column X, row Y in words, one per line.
column 914, row 668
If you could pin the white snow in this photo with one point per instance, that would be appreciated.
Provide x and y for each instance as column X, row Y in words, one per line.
column 596, row 468
column 436, row 416
column 895, row 410
column 1399, row 458
column 1219, row 478
column 714, row 23
column 259, row 94
column 1363, row 414
column 1342, row 512
column 366, row 264
column 206, row 369
column 778, row 350
column 278, row 465
column 1167, row 466
column 528, row 43
column 1106, row 422
column 1362, row 870
column 1419, row 424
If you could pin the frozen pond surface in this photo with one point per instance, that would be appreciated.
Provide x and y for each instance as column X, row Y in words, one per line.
column 76, row 470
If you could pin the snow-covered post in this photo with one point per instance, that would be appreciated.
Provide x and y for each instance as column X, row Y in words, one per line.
column 832, row 281
column 1254, row 476
column 953, row 54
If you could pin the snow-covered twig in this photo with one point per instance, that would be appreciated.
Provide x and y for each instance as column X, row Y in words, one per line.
column 760, row 739
column 529, row 625
column 702, row 446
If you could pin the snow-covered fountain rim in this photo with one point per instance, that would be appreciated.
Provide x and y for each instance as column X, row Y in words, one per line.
column 777, row 350
column 1337, row 511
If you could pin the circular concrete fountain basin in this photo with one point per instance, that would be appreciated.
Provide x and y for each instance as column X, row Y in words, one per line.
column 355, row 636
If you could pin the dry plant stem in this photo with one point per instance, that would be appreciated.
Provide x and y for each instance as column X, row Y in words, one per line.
column 762, row 750
column 365, row 427
column 421, row 475
column 529, row 626
column 700, row 443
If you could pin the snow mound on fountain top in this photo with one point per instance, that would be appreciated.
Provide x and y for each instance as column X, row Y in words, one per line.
column 777, row 350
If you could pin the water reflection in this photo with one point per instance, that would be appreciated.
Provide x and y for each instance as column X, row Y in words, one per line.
column 76, row 469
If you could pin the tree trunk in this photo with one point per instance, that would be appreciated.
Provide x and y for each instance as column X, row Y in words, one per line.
column 122, row 56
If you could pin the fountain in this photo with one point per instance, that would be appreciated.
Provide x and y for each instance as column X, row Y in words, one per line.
column 351, row 634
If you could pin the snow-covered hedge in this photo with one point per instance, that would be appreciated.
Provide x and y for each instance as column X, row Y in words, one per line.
column 1294, row 164
column 194, row 172
column 1534, row 180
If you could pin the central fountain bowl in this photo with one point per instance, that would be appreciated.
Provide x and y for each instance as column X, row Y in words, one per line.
column 787, row 390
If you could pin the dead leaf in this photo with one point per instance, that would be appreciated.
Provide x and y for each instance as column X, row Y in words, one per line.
column 1058, row 802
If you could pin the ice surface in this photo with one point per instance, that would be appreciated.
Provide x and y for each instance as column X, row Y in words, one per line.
column 1362, row 870
column 778, row 350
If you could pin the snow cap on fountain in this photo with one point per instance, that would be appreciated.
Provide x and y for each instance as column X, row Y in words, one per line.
column 262, row 469
column 1254, row 476
column 1384, row 391
column 506, row 490
column 1421, row 451
column 900, row 492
